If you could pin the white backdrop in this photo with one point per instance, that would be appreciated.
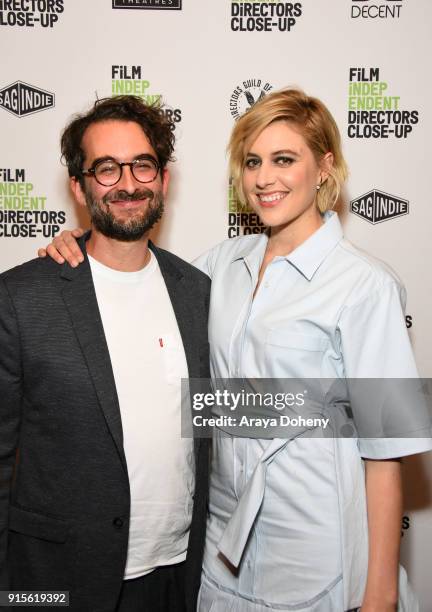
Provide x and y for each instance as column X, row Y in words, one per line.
column 206, row 59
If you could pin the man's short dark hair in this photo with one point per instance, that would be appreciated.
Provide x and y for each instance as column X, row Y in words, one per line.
column 151, row 117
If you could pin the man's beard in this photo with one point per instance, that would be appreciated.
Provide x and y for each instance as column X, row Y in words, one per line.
column 130, row 229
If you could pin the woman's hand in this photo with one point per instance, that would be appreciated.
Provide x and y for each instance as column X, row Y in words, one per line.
column 64, row 247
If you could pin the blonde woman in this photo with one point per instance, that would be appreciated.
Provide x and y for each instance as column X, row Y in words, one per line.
column 322, row 532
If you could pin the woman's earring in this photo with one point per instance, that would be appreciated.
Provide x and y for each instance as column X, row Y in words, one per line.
column 318, row 187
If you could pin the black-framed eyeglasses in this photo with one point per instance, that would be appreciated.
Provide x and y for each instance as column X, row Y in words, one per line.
column 108, row 172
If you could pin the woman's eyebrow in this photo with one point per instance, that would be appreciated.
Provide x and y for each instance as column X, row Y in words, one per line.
column 285, row 151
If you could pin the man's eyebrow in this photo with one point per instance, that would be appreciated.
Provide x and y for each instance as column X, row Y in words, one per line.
column 101, row 159
column 146, row 156
column 112, row 158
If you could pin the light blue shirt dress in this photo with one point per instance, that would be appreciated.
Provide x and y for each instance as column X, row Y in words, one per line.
column 291, row 515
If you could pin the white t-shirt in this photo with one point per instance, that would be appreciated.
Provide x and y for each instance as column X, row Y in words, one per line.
column 148, row 361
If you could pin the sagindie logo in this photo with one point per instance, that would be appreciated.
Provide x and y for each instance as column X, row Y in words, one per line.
column 245, row 95
column 372, row 111
column 23, row 214
column 377, row 206
column 368, row 9
column 174, row 5
column 261, row 16
column 129, row 80
column 22, row 99
column 30, row 13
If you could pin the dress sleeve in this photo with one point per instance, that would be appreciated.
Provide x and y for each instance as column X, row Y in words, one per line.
column 389, row 407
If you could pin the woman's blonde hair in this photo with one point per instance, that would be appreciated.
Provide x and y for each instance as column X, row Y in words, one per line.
column 315, row 123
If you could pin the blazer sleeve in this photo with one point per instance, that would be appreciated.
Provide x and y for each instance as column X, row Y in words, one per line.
column 10, row 412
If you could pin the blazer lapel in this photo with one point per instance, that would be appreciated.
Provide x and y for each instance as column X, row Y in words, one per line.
column 181, row 296
column 80, row 300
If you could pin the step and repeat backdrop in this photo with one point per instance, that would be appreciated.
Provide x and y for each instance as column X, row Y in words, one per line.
column 209, row 61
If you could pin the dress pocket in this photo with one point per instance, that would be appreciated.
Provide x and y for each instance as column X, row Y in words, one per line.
column 295, row 340
column 291, row 354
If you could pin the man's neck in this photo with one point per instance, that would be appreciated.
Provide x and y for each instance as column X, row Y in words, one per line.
column 118, row 255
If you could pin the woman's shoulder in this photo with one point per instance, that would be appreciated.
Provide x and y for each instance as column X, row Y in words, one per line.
column 369, row 274
column 363, row 262
column 226, row 251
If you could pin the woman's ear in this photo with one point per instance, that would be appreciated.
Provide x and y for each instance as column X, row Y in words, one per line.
column 326, row 165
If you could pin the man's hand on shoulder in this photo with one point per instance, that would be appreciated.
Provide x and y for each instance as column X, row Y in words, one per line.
column 64, row 247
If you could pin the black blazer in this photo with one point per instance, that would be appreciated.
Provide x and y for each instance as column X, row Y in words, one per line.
column 64, row 488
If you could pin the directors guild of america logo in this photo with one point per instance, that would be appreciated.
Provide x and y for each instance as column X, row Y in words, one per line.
column 173, row 5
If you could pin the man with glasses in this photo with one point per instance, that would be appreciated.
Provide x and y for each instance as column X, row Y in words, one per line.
column 99, row 493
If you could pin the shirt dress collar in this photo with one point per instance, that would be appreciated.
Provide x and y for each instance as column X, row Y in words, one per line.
column 306, row 258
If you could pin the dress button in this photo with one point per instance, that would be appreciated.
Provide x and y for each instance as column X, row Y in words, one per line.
column 118, row 523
